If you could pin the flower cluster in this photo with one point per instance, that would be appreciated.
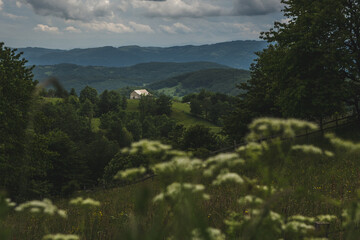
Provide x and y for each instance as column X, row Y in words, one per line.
column 88, row 202
column 45, row 206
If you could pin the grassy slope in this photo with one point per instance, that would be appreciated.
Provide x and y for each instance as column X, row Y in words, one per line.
column 336, row 178
column 180, row 113
column 214, row 80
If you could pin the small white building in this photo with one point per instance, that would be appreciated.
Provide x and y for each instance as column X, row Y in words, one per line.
column 136, row 94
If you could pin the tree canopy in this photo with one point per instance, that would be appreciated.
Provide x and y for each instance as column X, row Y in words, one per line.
column 16, row 90
column 310, row 68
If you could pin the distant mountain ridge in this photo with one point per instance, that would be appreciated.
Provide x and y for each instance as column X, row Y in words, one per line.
column 101, row 78
column 237, row 54
column 222, row 80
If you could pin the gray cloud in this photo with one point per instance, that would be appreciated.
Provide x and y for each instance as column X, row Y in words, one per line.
column 73, row 10
column 179, row 8
column 256, row 7
column 206, row 8
column 88, row 10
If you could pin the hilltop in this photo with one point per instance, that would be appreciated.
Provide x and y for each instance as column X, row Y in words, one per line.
column 237, row 54
column 214, row 80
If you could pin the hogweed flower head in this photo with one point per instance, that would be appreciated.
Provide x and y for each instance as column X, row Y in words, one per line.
column 298, row 227
column 60, row 236
column 175, row 190
column 130, row 173
column 252, row 150
column 147, row 147
column 45, row 206
column 251, row 200
column 300, row 218
column 228, row 177
column 178, row 164
column 88, row 202
column 326, row 218
column 212, row 234
column 344, row 144
column 228, row 160
column 275, row 127
column 9, row 202
column 308, row 149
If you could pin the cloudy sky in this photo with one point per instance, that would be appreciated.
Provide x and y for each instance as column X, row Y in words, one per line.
column 67, row 24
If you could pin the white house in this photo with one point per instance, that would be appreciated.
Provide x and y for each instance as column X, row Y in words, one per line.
column 136, row 94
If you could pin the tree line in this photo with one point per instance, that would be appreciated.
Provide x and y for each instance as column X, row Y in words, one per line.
column 310, row 69
column 49, row 146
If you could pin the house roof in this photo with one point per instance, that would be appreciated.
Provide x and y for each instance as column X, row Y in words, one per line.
column 142, row 92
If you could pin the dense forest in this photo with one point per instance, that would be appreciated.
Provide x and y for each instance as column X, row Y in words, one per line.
column 140, row 174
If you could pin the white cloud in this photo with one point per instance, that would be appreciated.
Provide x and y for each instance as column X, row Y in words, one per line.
column 72, row 29
column 285, row 20
column 178, row 8
column 13, row 17
column 46, row 28
column 1, row 4
column 107, row 26
column 141, row 27
column 176, row 28
column 182, row 28
column 18, row 4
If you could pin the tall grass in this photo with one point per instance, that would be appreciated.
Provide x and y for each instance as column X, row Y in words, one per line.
column 311, row 184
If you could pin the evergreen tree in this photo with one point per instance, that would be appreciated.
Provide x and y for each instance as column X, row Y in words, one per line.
column 89, row 93
column 16, row 89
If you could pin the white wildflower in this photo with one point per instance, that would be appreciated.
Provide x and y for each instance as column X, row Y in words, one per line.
column 175, row 190
column 250, row 200
column 228, row 177
column 220, row 161
column 274, row 127
column 89, row 202
column 130, row 173
column 9, row 202
column 300, row 218
column 45, row 206
column 212, row 234
column 178, row 164
column 308, row 149
column 146, row 147
column 298, row 227
column 60, row 236
column 326, row 218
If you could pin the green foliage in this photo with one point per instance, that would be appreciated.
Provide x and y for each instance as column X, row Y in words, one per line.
column 198, row 136
column 89, row 93
column 307, row 71
column 183, row 188
column 87, row 109
column 16, row 89
column 260, row 179
column 111, row 101
column 163, row 105
column 211, row 106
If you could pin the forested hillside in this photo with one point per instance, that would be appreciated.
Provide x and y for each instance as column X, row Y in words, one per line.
column 138, row 169
column 214, row 80
column 238, row 54
column 102, row 78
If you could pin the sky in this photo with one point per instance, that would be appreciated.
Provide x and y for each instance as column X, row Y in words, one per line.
column 67, row 24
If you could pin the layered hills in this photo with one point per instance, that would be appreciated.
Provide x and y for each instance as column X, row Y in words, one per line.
column 216, row 80
column 237, row 54
column 101, row 78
